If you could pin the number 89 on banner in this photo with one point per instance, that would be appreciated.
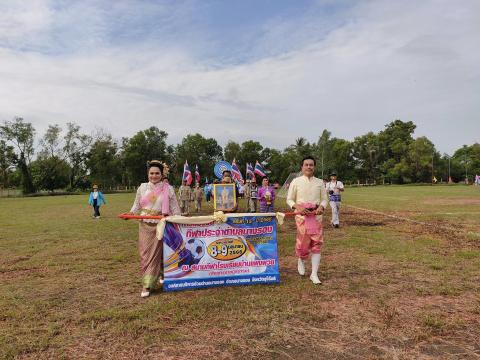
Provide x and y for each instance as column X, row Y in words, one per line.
column 226, row 249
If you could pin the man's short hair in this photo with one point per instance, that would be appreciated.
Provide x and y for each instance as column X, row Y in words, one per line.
column 226, row 171
column 308, row 158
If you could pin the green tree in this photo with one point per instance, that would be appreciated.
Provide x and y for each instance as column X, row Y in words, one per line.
column 103, row 162
column 21, row 135
column 323, row 153
column 394, row 142
column 149, row 144
column 75, row 149
column 231, row 151
column 421, row 159
column 366, row 152
column 197, row 150
column 7, row 162
column 280, row 166
column 250, row 151
column 466, row 162
column 49, row 172
column 342, row 159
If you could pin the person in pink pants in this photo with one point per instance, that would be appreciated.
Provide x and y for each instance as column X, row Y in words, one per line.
column 308, row 197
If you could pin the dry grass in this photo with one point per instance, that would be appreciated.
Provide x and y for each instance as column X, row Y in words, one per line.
column 69, row 288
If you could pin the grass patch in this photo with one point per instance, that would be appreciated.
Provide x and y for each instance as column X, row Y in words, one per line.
column 69, row 287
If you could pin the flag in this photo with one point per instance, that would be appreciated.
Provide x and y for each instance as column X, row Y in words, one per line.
column 197, row 174
column 236, row 174
column 259, row 170
column 250, row 174
column 187, row 174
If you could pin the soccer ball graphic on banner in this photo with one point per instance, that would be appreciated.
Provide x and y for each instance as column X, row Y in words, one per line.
column 196, row 248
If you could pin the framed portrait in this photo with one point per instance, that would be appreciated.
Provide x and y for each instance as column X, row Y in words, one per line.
column 224, row 197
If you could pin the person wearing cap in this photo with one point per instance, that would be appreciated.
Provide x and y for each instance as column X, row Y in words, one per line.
column 334, row 188
column 96, row 199
column 308, row 198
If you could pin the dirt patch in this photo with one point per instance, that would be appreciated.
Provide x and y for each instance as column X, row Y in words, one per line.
column 17, row 274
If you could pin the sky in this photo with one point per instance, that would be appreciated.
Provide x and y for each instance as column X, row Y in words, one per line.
column 266, row 70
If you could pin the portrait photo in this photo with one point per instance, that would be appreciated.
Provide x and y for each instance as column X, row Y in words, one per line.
column 224, row 197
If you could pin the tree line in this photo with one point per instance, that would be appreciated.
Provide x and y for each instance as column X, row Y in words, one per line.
column 67, row 158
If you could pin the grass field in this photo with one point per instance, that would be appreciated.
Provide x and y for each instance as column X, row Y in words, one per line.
column 393, row 289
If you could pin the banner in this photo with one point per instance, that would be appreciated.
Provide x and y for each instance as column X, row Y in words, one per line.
column 240, row 251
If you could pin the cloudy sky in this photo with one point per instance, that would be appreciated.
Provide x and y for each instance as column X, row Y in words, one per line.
column 268, row 70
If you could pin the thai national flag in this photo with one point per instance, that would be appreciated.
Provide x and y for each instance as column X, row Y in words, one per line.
column 236, row 174
column 197, row 174
column 259, row 170
column 250, row 174
column 187, row 174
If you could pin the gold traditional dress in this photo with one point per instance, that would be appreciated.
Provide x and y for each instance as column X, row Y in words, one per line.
column 152, row 199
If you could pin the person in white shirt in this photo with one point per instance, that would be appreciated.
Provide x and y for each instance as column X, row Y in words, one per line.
column 308, row 197
column 334, row 188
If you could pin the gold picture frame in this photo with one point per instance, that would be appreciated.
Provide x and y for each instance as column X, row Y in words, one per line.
column 224, row 197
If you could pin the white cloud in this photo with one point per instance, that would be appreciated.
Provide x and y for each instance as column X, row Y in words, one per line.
column 387, row 60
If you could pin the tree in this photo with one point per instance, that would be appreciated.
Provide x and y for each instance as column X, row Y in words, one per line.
column 421, row 157
column 49, row 172
column 103, row 162
column 366, row 152
column 7, row 162
column 250, row 152
column 75, row 148
column 322, row 152
column 342, row 159
column 231, row 151
column 200, row 151
column 280, row 166
column 394, row 142
column 21, row 135
column 149, row 144
column 466, row 162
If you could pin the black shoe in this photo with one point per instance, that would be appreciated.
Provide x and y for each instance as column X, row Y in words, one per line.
column 337, row 226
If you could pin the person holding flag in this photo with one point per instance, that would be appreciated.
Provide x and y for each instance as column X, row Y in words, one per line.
column 197, row 175
column 249, row 174
column 185, row 192
column 187, row 174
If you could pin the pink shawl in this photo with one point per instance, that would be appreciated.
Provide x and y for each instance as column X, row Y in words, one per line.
column 159, row 190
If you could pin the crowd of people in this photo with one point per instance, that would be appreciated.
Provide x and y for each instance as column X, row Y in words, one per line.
column 307, row 196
